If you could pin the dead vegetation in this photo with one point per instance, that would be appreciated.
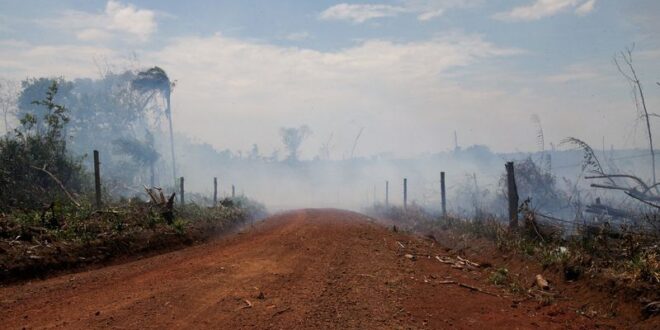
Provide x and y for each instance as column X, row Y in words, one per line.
column 625, row 262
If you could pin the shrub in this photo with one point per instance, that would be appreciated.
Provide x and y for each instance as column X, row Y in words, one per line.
column 35, row 168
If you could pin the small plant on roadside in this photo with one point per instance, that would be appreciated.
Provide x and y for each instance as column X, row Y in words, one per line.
column 499, row 277
column 550, row 255
column 179, row 225
column 645, row 266
column 545, row 299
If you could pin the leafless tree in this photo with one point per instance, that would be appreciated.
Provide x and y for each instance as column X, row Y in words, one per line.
column 624, row 63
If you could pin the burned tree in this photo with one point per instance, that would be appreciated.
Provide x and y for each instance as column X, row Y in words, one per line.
column 152, row 81
column 631, row 185
column 293, row 137
column 627, row 70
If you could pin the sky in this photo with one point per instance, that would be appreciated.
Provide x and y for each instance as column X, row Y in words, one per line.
column 409, row 73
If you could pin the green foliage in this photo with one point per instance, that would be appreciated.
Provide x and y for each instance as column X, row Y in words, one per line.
column 499, row 276
column 179, row 226
column 109, row 115
column 34, row 155
column 33, row 90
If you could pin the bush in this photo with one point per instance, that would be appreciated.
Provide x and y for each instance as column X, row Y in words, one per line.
column 35, row 168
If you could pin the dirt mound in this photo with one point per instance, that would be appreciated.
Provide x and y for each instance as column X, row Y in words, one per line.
column 302, row 269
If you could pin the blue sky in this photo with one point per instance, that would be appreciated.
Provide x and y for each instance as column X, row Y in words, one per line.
column 409, row 71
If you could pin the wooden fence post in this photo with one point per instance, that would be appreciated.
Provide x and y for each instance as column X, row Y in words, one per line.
column 512, row 193
column 97, row 179
column 387, row 193
column 215, row 192
column 183, row 201
column 233, row 191
column 443, row 194
column 405, row 193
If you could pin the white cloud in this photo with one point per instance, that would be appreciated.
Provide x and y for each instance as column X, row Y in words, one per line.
column 128, row 19
column 359, row 13
column 586, row 8
column 545, row 8
column 425, row 16
column 19, row 60
column 424, row 9
column 117, row 20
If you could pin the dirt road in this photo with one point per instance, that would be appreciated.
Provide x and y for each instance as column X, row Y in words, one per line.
column 303, row 269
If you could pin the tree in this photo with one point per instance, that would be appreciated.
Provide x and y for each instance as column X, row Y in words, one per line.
column 34, row 163
column 254, row 153
column 293, row 137
column 628, row 71
column 537, row 184
column 8, row 100
column 155, row 80
column 33, row 89
column 142, row 152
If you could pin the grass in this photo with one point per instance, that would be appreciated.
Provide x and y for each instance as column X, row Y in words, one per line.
column 499, row 276
column 502, row 278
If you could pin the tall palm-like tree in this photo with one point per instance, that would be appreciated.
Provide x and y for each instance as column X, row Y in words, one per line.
column 156, row 80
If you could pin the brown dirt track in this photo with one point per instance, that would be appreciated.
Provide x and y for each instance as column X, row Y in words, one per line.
column 316, row 269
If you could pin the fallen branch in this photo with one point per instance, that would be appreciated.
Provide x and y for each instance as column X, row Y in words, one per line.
column 595, row 185
column 642, row 200
column 473, row 288
column 626, row 176
column 281, row 311
column 445, row 261
column 607, row 210
column 468, row 262
column 52, row 176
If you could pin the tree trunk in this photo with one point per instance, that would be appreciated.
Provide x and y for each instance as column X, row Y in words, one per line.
column 169, row 118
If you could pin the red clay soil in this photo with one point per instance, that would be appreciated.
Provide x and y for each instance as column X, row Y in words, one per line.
column 322, row 269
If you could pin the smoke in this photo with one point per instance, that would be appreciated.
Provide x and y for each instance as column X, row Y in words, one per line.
column 120, row 115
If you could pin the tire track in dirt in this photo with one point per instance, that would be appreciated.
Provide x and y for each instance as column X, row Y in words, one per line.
column 314, row 268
